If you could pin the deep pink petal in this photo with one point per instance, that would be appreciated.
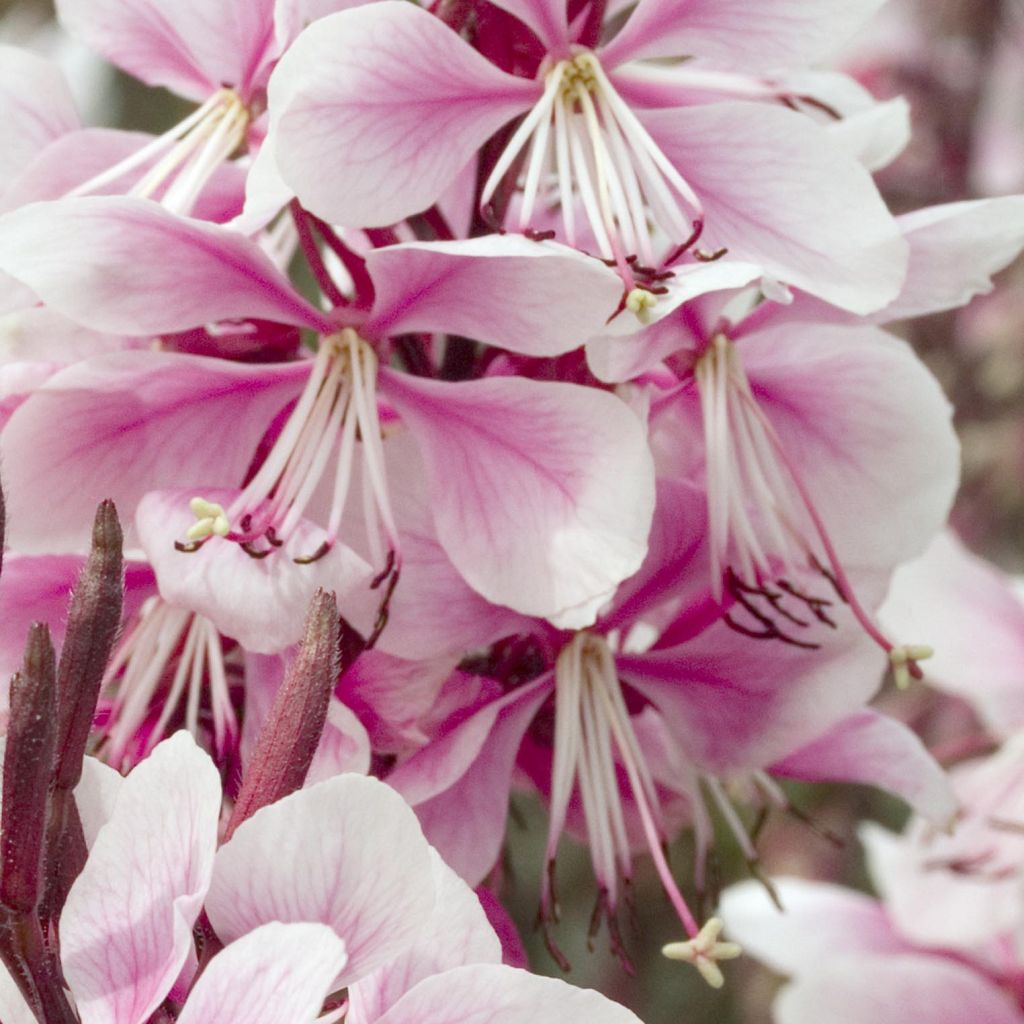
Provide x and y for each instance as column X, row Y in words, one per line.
column 502, row 995
column 871, row 748
column 347, row 852
column 749, row 35
column 816, row 222
column 460, row 784
column 974, row 618
column 735, row 702
column 126, row 928
column 121, row 425
column 388, row 99
column 542, row 492
column 260, row 602
column 457, row 933
column 537, row 298
column 192, row 47
column 277, row 974
column 893, row 990
column 548, row 19
column 37, row 108
column 128, row 266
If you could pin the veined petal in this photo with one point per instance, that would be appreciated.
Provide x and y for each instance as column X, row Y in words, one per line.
column 121, row 425
column 883, row 990
column 502, row 995
column 128, row 266
column 276, row 974
column 190, row 47
column 536, row 298
column 347, row 852
column 871, row 748
column 749, row 35
column 37, row 108
column 816, row 222
column 13, row 1008
column 126, row 927
column 457, row 933
column 542, row 492
column 260, row 602
column 393, row 102
column 547, row 19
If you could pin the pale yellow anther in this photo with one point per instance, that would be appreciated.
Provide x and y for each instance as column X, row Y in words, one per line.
column 210, row 519
column 640, row 302
column 902, row 657
column 704, row 951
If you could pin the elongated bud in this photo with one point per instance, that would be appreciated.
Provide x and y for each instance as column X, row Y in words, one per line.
column 93, row 621
column 28, row 773
column 289, row 737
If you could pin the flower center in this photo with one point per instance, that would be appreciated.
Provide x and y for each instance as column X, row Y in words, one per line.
column 335, row 415
column 594, row 739
column 585, row 148
column 184, row 158
column 140, row 678
column 764, row 529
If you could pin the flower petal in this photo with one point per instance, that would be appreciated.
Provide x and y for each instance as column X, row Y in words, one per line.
column 871, row 748
column 536, row 298
column 347, row 852
column 546, row 19
column 891, row 990
column 128, row 266
column 277, row 974
column 816, row 222
column 121, row 425
column 542, row 492
column 457, row 933
column 126, row 927
column 190, row 47
column 13, row 1008
column 748, row 35
column 390, row 100
column 502, row 995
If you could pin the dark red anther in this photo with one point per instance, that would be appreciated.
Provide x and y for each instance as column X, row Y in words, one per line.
column 29, row 763
column 289, row 737
column 94, row 618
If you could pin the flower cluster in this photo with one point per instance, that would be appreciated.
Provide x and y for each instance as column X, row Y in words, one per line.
column 493, row 393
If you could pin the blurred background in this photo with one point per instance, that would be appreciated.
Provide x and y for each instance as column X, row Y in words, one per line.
column 960, row 64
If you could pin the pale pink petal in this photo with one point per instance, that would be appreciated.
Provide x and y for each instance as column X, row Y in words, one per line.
column 548, row 19
column 260, row 602
column 277, row 974
column 192, row 47
column 871, row 748
column 457, row 933
column 542, row 492
column 127, row 925
column 735, row 702
column 969, row 612
column 388, row 99
column 347, row 852
column 875, row 136
column 128, row 266
column 36, row 105
column 13, row 1008
column 954, row 251
column 121, row 425
column 868, row 429
column 816, row 222
column 502, row 995
column 816, row 916
column 749, row 35
column 96, row 795
column 627, row 349
column 537, row 298
column 893, row 990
